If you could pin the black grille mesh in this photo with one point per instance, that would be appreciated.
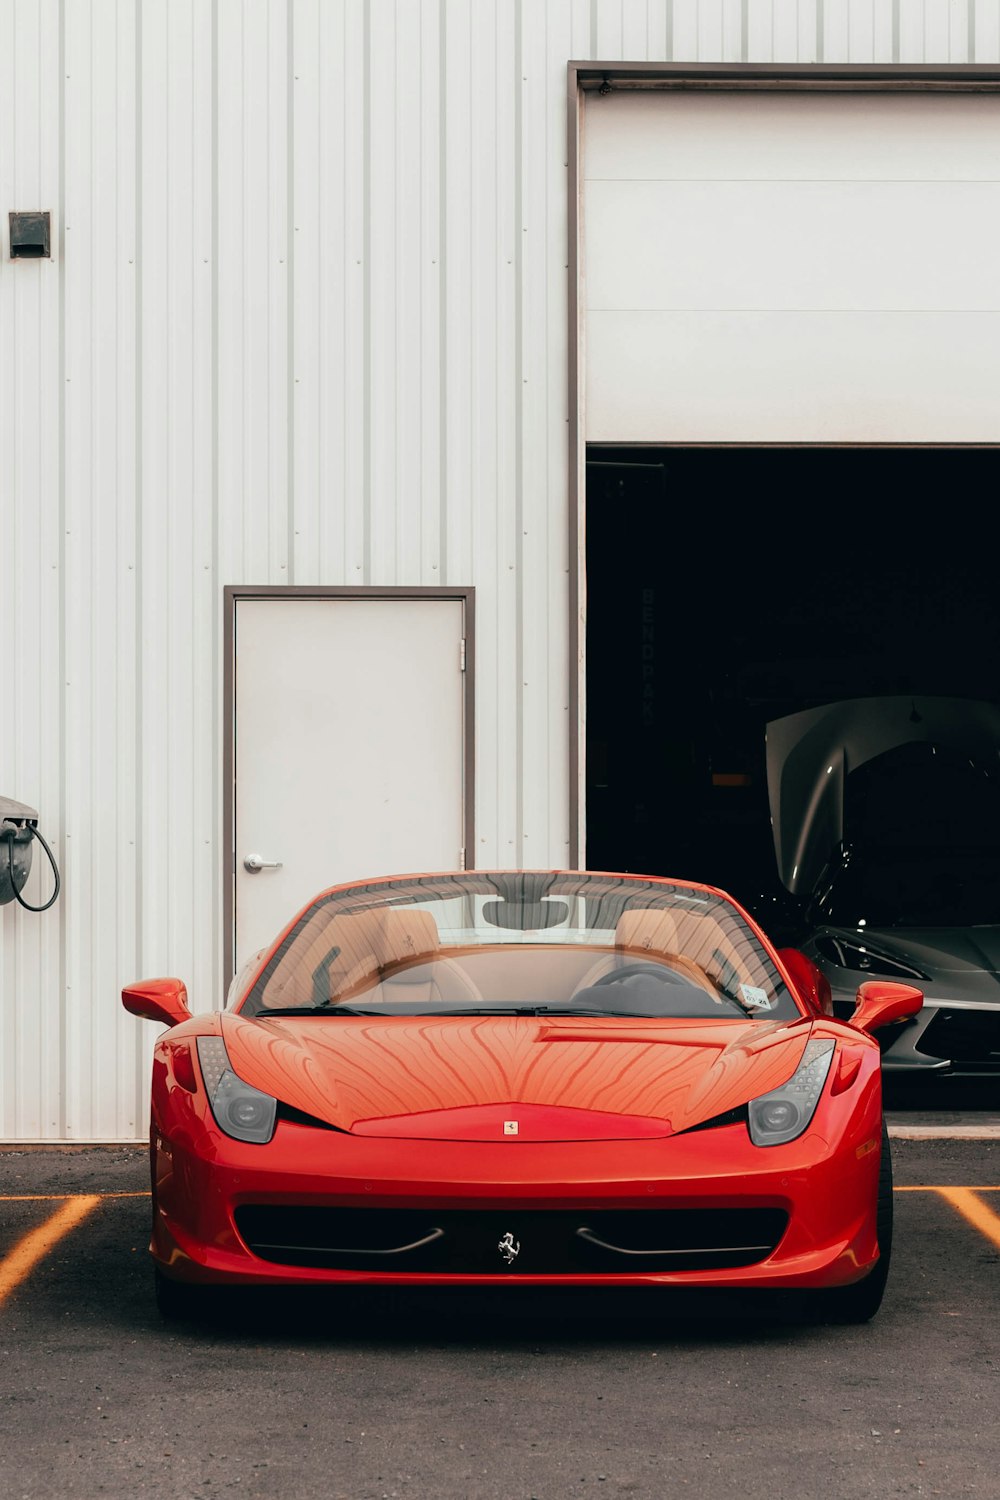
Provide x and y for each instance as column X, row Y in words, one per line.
column 967, row 1036
column 547, row 1241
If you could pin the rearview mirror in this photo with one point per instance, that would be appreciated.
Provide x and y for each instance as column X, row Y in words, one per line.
column 163, row 1000
column 880, row 1003
column 525, row 916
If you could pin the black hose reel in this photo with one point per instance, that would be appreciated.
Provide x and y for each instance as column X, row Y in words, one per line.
column 18, row 830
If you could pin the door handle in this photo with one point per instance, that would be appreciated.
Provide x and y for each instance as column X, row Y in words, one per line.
column 254, row 863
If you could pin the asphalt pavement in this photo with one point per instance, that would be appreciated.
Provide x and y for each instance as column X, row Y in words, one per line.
column 509, row 1397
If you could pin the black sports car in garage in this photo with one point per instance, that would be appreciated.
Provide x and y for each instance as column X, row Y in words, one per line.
column 886, row 821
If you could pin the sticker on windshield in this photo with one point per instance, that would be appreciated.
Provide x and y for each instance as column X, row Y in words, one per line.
column 755, row 997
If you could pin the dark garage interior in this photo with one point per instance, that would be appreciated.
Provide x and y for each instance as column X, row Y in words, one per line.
column 727, row 587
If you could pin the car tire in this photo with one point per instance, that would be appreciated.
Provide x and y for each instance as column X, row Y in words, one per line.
column 861, row 1300
column 177, row 1300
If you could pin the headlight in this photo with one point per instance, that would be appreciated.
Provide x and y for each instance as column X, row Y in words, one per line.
column 784, row 1113
column 239, row 1109
column 863, row 959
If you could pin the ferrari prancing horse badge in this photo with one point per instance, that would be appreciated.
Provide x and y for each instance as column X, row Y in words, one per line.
column 508, row 1249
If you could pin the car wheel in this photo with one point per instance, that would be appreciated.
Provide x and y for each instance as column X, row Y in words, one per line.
column 861, row 1300
column 177, row 1300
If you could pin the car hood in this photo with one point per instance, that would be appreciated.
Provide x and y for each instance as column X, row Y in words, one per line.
column 462, row 1078
column 934, row 950
column 811, row 754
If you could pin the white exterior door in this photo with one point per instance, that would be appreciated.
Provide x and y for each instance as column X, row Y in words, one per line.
column 798, row 267
column 349, row 748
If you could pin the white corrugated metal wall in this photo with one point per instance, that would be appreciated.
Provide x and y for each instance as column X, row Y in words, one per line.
column 304, row 322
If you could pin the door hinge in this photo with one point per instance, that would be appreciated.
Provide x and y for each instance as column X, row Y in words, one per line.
column 461, row 859
column 461, row 654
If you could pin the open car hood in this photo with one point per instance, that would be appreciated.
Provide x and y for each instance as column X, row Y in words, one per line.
column 811, row 754
column 461, row 1078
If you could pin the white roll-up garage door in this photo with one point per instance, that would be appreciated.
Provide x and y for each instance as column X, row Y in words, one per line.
column 791, row 267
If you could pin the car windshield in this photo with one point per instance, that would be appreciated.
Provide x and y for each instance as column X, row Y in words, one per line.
column 521, row 943
column 914, row 887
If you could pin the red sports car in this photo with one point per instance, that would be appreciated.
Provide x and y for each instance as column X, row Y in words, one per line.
column 540, row 1077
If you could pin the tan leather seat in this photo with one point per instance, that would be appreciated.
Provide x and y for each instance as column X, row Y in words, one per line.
column 412, row 970
column 648, row 935
column 658, row 936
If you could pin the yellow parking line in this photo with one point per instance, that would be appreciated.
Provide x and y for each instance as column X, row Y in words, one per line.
column 62, row 1197
column 978, row 1215
column 30, row 1249
column 951, row 1188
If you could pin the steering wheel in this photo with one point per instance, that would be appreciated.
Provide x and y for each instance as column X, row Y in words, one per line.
column 633, row 971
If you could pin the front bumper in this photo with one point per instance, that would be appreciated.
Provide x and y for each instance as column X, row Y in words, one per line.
column 822, row 1188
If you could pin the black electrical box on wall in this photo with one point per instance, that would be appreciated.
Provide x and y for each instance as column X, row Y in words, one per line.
column 29, row 236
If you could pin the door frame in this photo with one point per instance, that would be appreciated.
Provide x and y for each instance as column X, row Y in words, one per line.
column 584, row 77
column 233, row 594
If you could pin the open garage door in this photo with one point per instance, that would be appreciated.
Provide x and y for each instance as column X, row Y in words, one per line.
column 788, row 390
column 730, row 587
column 800, row 267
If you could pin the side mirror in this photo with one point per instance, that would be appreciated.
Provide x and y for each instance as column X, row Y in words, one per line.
column 163, row 1000
column 880, row 1003
column 810, row 981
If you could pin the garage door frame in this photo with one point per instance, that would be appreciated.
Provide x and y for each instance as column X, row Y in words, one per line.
column 587, row 77
column 233, row 594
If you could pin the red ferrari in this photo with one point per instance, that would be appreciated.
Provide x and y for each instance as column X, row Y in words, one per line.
column 532, row 1077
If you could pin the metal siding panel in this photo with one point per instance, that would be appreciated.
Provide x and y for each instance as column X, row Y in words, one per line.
column 30, row 678
column 317, row 261
column 607, row 29
column 253, row 348
column 175, row 474
column 734, row 39
column 114, row 584
column 959, row 27
column 781, row 30
column 986, row 23
column 911, row 32
column 686, row 31
column 383, row 299
column 937, row 30
column 457, row 310
column 710, row 29
column 344, row 74
column 497, row 86
column 83, row 322
column 329, row 175
column 15, row 478
column 836, row 31
column 535, row 653
column 426, row 476
column 553, row 844
column 635, row 39
column 986, row 31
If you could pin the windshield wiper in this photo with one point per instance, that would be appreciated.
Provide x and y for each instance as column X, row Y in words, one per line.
column 328, row 1008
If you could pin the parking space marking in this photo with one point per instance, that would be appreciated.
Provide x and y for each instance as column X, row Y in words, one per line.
column 62, row 1197
column 36, row 1244
column 971, row 1207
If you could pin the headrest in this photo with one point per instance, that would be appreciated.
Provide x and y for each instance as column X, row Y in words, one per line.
column 654, row 931
column 405, row 932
